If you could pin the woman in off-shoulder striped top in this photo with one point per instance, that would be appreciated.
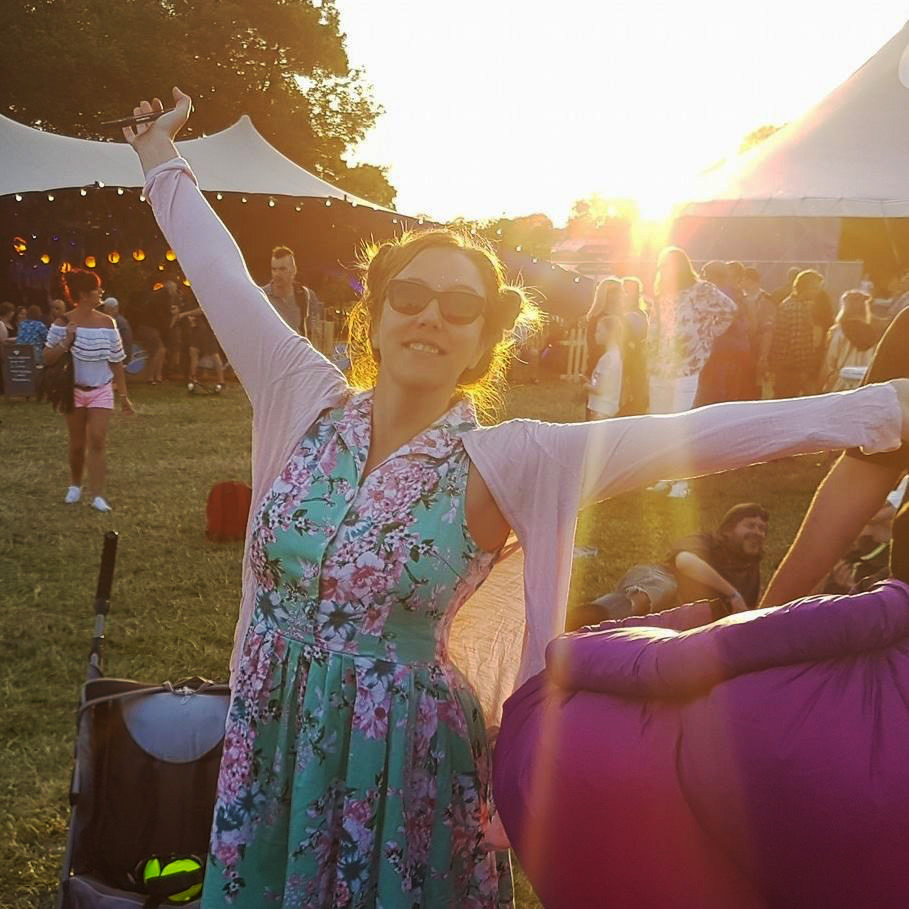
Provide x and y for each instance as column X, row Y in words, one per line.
column 98, row 355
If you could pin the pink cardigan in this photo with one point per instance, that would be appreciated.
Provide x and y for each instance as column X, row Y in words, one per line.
column 540, row 474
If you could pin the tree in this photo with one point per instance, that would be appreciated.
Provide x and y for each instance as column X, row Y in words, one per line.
column 69, row 64
column 533, row 233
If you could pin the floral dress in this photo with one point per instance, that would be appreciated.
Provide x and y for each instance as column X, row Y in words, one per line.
column 355, row 769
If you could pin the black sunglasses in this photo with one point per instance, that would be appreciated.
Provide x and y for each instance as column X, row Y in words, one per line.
column 460, row 307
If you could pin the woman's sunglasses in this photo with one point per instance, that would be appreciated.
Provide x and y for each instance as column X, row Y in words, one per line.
column 459, row 307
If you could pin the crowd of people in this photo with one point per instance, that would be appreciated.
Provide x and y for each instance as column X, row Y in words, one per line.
column 718, row 335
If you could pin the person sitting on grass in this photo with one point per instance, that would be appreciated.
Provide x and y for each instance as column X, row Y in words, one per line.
column 724, row 564
column 357, row 763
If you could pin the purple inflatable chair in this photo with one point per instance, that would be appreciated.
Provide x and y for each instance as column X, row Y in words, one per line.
column 761, row 761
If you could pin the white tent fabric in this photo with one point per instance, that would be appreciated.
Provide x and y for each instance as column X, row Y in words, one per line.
column 237, row 159
column 845, row 157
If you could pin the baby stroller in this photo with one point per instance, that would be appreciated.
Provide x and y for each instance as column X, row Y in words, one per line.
column 143, row 786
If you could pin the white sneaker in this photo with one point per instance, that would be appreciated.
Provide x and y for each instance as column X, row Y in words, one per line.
column 680, row 490
column 73, row 494
column 99, row 503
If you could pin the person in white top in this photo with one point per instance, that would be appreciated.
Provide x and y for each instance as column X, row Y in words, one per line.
column 604, row 390
column 98, row 355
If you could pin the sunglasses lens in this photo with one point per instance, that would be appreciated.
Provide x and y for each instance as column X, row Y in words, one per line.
column 461, row 309
column 406, row 298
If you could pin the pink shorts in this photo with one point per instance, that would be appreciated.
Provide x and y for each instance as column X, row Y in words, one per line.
column 102, row 396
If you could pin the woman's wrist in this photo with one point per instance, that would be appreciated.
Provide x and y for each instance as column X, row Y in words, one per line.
column 154, row 152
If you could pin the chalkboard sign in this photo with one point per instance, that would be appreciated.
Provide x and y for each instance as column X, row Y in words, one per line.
column 19, row 370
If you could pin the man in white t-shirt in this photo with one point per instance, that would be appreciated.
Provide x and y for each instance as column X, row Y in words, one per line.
column 294, row 302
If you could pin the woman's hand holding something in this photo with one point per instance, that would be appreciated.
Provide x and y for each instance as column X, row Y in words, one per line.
column 154, row 141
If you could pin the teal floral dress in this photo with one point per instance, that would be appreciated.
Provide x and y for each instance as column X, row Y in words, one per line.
column 356, row 770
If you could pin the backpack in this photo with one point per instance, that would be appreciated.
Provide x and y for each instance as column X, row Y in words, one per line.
column 227, row 511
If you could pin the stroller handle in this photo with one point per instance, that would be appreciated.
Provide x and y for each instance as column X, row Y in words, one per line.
column 102, row 603
column 106, row 573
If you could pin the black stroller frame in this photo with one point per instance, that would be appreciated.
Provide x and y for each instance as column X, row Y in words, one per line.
column 143, row 784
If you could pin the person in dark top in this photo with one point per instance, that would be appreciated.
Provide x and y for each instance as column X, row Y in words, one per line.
column 724, row 564
column 852, row 492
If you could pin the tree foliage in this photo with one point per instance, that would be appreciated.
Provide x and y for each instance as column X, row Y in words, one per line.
column 69, row 64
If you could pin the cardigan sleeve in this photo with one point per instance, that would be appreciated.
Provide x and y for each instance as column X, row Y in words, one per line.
column 260, row 346
column 584, row 463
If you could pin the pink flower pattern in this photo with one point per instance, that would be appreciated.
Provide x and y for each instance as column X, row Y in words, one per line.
column 355, row 770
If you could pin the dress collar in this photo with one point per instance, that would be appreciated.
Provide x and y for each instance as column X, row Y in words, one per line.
column 353, row 422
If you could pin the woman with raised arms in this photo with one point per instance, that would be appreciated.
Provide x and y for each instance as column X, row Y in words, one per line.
column 356, row 767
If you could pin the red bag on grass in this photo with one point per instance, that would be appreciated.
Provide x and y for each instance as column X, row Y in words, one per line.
column 227, row 511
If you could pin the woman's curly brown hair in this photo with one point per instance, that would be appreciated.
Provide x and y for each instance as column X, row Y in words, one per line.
column 510, row 307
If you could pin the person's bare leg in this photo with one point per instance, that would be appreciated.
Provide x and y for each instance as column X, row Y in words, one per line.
column 75, row 427
column 219, row 369
column 98, row 421
column 193, row 364
column 157, row 367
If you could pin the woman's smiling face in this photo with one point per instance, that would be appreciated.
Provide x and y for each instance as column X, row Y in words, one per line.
column 425, row 350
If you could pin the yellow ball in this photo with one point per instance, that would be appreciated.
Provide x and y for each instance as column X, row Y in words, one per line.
column 154, row 870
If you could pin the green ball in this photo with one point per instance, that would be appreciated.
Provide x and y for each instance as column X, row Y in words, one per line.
column 153, row 870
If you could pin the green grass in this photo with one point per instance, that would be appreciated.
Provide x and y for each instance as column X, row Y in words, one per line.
column 176, row 595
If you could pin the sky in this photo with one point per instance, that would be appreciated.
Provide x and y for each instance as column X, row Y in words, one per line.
column 509, row 107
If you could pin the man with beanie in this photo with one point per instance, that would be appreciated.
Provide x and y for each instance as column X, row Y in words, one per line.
column 725, row 564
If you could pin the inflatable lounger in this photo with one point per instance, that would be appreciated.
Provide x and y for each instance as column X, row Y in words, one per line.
column 760, row 761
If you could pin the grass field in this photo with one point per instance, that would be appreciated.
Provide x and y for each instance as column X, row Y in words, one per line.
column 175, row 594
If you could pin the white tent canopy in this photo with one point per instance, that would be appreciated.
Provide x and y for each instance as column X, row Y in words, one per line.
column 845, row 157
column 237, row 159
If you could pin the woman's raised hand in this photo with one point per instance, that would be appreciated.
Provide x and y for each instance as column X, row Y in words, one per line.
column 154, row 141
column 169, row 124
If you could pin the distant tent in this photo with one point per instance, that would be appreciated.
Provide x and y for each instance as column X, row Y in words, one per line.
column 831, row 184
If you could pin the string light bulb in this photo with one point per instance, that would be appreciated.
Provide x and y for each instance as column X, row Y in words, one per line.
column 113, row 257
column 219, row 196
column 45, row 259
column 139, row 255
column 170, row 255
column 50, row 197
column 83, row 191
column 271, row 203
column 90, row 262
column 18, row 197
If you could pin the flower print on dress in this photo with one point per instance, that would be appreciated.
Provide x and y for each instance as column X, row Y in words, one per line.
column 349, row 733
